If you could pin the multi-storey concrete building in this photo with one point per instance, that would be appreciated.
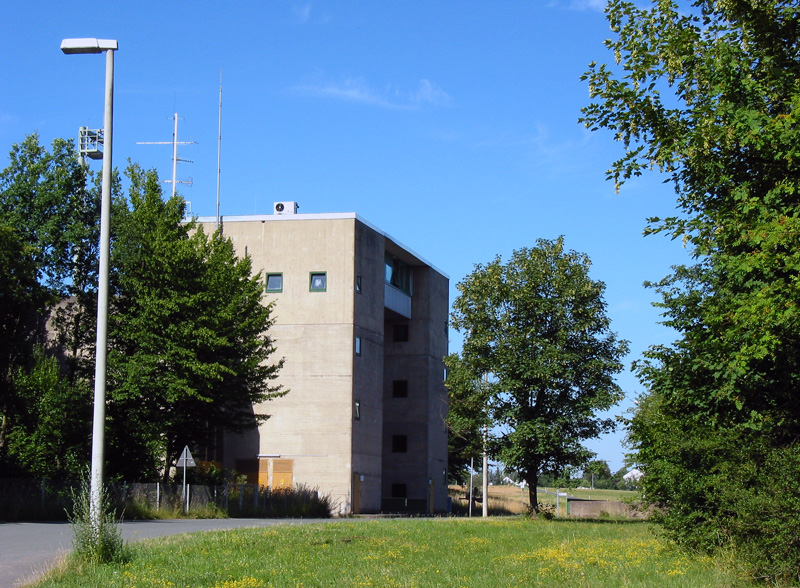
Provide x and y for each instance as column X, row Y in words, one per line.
column 362, row 324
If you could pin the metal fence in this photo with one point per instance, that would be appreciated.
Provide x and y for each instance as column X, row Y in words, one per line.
column 22, row 499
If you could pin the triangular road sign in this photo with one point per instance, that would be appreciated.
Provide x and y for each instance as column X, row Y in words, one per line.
column 186, row 460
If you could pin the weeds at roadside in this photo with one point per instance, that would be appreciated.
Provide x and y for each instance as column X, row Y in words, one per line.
column 100, row 541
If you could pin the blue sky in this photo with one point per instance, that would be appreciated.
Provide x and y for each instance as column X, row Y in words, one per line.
column 450, row 125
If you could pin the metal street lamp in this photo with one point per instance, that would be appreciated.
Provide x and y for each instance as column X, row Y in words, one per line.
column 72, row 46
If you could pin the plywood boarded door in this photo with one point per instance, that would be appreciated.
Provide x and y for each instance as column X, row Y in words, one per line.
column 263, row 472
column 282, row 473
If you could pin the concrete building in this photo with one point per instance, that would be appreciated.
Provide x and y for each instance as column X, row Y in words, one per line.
column 362, row 324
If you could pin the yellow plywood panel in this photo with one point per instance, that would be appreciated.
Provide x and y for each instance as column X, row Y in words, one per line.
column 282, row 470
column 263, row 472
column 282, row 465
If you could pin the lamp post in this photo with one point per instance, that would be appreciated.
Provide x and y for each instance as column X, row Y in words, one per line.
column 73, row 46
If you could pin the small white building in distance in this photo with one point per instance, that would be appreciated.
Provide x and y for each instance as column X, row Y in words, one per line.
column 361, row 321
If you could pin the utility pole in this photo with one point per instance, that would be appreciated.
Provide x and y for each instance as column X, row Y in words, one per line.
column 471, row 471
column 485, row 471
column 486, row 459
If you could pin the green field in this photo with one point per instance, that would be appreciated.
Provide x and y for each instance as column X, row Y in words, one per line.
column 514, row 500
column 497, row 552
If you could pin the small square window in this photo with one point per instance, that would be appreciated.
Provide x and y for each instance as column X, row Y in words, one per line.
column 358, row 283
column 357, row 345
column 318, row 282
column 274, row 282
column 400, row 389
column 399, row 491
column 399, row 444
column 400, row 333
column 356, row 410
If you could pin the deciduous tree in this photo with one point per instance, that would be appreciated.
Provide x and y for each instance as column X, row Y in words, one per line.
column 190, row 348
column 708, row 92
column 48, row 243
column 537, row 326
column 22, row 309
column 467, row 417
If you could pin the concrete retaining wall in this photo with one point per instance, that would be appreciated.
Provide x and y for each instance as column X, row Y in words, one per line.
column 602, row 508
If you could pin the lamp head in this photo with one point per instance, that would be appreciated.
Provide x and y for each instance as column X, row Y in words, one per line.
column 73, row 46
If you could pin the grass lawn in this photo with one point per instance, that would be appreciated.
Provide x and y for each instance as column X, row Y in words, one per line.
column 486, row 553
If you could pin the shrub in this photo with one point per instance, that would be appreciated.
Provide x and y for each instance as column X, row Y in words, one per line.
column 546, row 510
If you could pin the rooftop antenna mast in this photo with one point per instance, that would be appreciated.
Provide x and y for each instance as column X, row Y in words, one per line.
column 219, row 143
column 175, row 158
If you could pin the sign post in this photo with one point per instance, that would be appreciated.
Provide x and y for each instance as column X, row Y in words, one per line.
column 186, row 461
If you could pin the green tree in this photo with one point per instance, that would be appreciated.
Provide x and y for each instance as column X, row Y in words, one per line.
column 537, row 325
column 189, row 342
column 44, row 196
column 49, row 260
column 50, row 437
column 22, row 304
column 468, row 399
column 597, row 474
column 708, row 93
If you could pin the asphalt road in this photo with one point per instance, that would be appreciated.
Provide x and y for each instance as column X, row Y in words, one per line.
column 29, row 549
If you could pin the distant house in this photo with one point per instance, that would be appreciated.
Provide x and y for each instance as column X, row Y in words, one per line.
column 362, row 323
column 633, row 476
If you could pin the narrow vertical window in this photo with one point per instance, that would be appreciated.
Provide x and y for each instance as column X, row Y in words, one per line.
column 400, row 389
column 358, row 345
column 356, row 410
column 358, row 283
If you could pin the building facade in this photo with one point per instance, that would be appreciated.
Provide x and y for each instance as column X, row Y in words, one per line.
column 362, row 324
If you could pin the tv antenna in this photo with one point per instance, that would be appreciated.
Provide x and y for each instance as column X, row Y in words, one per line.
column 219, row 143
column 175, row 158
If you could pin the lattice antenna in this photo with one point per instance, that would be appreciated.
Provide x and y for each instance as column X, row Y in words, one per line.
column 175, row 158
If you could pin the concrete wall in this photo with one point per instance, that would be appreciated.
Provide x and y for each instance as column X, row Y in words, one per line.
column 601, row 508
column 420, row 415
column 335, row 425
column 367, row 371
column 312, row 424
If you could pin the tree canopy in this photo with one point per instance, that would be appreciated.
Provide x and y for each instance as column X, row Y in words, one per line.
column 190, row 353
column 188, row 334
column 708, row 93
column 536, row 328
column 47, row 246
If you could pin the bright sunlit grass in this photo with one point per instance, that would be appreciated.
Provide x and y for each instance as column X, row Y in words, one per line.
column 501, row 552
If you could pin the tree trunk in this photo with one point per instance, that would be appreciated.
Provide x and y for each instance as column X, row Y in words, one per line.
column 3, row 427
column 533, row 481
column 168, row 464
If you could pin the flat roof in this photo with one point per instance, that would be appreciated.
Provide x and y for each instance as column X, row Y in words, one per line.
column 316, row 216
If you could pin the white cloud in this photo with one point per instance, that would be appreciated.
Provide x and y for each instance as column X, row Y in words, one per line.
column 428, row 93
column 302, row 12
column 593, row 4
column 599, row 5
column 6, row 118
column 359, row 91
